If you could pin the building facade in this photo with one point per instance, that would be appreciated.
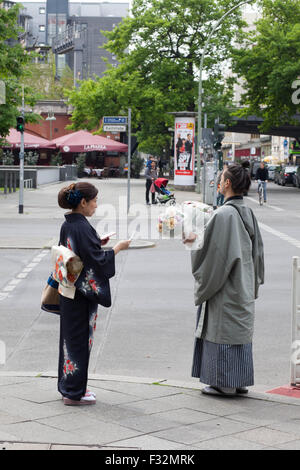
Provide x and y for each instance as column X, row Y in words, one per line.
column 73, row 30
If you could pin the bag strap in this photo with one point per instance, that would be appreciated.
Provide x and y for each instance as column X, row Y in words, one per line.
column 232, row 205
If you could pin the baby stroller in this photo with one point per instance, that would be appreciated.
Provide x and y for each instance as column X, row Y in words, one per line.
column 164, row 196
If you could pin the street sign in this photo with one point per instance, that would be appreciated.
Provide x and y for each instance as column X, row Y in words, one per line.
column 114, row 128
column 115, row 120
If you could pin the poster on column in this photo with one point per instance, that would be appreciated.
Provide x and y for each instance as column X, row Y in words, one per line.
column 184, row 158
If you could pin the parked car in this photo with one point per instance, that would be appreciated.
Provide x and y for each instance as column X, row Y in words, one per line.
column 297, row 177
column 286, row 175
column 276, row 174
column 271, row 171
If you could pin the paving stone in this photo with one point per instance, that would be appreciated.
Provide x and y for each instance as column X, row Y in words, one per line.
column 228, row 443
column 104, row 433
column 266, row 436
column 198, row 432
column 23, row 446
column 292, row 445
column 150, row 442
column 31, row 431
column 165, row 420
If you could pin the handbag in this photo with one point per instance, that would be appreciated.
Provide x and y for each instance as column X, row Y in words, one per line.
column 152, row 188
column 50, row 297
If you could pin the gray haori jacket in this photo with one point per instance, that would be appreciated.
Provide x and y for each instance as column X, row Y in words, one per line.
column 228, row 271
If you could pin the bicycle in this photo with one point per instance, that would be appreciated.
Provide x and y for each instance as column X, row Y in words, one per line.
column 260, row 191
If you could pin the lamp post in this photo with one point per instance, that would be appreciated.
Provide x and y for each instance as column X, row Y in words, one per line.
column 199, row 134
column 51, row 118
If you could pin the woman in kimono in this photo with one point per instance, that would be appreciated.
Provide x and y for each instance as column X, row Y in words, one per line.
column 78, row 316
column 228, row 270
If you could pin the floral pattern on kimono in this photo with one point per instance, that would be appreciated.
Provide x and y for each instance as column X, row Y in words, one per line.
column 92, row 328
column 89, row 283
column 69, row 367
column 99, row 265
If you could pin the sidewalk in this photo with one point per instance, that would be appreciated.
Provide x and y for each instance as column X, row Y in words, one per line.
column 135, row 413
column 131, row 413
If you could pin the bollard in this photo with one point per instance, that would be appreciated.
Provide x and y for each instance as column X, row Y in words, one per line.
column 2, row 353
column 295, row 333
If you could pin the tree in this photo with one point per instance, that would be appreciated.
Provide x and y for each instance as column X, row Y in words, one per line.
column 42, row 79
column 13, row 59
column 268, row 61
column 159, row 49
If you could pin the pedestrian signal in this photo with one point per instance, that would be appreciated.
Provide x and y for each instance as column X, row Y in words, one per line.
column 20, row 124
column 219, row 132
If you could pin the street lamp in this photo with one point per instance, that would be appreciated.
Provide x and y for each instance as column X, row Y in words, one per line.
column 51, row 118
column 199, row 135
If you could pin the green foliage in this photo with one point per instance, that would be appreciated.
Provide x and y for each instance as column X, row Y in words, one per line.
column 31, row 158
column 56, row 160
column 7, row 157
column 159, row 51
column 136, row 166
column 13, row 61
column 80, row 161
column 269, row 62
column 42, row 79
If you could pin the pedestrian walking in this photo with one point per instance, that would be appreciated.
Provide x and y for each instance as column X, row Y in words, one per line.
column 151, row 176
column 228, row 271
column 78, row 315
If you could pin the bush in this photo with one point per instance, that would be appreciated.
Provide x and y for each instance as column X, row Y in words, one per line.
column 31, row 158
column 137, row 164
column 80, row 161
column 56, row 160
column 7, row 158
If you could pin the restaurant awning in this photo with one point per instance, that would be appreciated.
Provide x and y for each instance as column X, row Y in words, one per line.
column 30, row 141
column 83, row 141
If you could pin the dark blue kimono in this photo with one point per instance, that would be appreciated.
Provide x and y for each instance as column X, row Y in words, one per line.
column 78, row 316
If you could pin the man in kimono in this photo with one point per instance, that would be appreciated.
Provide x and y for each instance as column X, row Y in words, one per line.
column 228, row 270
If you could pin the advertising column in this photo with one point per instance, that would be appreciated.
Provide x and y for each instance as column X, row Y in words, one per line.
column 184, row 151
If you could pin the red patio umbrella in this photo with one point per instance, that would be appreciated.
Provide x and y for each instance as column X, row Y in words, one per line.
column 83, row 141
column 30, row 141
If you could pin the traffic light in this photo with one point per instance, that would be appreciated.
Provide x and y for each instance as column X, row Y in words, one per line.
column 220, row 159
column 20, row 124
column 219, row 132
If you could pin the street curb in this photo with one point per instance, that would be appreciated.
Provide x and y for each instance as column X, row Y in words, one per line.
column 138, row 245
column 254, row 395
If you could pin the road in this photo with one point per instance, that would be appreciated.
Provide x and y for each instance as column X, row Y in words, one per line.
column 148, row 331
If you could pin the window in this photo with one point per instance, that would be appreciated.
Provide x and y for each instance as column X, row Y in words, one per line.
column 42, row 10
column 42, row 27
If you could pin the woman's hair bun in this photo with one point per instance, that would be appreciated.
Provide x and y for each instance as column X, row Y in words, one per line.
column 70, row 196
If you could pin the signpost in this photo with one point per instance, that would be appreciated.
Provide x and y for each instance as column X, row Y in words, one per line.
column 120, row 124
column 116, row 120
column 21, row 155
column 114, row 128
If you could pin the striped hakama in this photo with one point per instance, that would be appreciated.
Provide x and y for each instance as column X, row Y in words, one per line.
column 223, row 365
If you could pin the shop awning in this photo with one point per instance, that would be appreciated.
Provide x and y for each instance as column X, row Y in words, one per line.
column 83, row 141
column 30, row 141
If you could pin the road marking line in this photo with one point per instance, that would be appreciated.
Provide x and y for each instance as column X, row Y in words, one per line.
column 275, row 208
column 14, row 282
column 22, row 275
column 8, row 288
column 281, row 235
